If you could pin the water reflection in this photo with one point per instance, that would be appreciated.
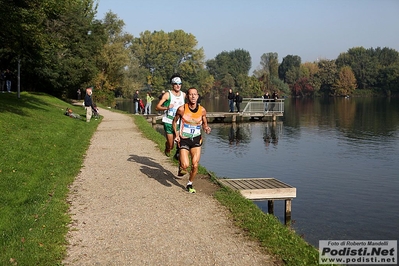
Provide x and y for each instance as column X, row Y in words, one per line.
column 235, row 135
column 272, row 131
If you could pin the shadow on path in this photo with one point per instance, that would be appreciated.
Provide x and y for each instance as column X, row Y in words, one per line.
column 154, row 170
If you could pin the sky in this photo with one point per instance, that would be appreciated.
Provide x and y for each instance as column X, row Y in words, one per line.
column 311, row 29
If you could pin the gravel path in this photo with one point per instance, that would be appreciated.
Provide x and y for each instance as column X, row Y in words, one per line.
column 128, row 209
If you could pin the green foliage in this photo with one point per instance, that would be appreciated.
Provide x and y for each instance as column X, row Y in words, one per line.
column 288, row 70
column 269, row 69
column 269, row 63
column 346, row 82
column 161, row 54
column 230, row 64
column 249, row 86
column 327, row 74
column 119, row 75
column 60, row 40
column 365, row 64
column 388, row 78
column 42, row 152
column 279, row 85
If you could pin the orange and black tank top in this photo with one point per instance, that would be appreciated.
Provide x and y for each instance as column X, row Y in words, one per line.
column 191, row 122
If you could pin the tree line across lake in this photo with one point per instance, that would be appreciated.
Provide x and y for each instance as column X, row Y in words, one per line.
column 61, row 47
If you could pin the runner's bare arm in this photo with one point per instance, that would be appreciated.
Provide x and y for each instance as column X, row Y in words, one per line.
column 164, row 98
column 205, row 126
column 179, row 114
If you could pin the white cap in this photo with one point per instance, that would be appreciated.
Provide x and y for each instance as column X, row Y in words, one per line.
column 176, row 80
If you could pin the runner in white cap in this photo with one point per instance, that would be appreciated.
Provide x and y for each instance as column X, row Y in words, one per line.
column 169, row 103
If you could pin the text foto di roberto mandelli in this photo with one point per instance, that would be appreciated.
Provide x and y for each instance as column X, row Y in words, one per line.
column 351, row 251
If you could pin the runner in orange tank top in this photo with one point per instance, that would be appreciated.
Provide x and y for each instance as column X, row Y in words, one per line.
column 193, row 120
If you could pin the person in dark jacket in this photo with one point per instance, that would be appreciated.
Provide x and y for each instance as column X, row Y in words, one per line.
column 88, row 104
column 266, row 98
column 136, row 100
column 231, row 97
column 274, row 100
column 238, row 100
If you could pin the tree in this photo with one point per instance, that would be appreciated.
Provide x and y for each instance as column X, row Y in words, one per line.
column 386, row 56
column 163, row 54
column 55, row 41
column 279, row 85
column 115, row 62
column 203, row 81
column 388, row 78
column 269, row 63
column 232, row 64
column 288, row 70
column 309, row 71
column 326, row 75
column 346, row 82
column 363, row 64
column 302, row 87
column 388, row 73
column 269, row 69
column 80, row 38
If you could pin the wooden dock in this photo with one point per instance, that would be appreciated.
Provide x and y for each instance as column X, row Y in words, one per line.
column 269, row 189
column 232, row 117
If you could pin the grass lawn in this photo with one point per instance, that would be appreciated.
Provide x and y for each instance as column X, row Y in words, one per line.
column 41, row 153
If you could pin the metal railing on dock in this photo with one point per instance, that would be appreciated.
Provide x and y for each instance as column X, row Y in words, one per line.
column 257, row 106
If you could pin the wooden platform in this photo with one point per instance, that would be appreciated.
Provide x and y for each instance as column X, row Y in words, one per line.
column 261, row 188
column 269, row 189
column 233, row 117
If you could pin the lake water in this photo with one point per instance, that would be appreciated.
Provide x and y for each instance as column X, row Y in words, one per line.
column 342, row 155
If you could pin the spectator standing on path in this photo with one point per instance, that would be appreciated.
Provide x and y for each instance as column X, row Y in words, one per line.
column 238, row 100
column 79, row 94
column 136, row 100
column 169, row 103
column 231, row 97
column 7, row 78
column 188, row 137
column 147, row 109
column 88, row 104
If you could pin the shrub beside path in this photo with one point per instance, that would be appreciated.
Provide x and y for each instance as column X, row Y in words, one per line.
column 127, row 208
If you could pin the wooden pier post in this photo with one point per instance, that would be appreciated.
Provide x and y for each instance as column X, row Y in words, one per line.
column 270, row 206
column 287, row 216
